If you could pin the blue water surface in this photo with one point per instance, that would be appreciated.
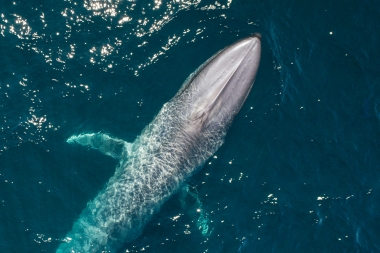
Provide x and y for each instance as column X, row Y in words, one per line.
column 299, row 170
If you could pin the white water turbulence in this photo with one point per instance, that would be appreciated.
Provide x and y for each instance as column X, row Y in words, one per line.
column 185, row 133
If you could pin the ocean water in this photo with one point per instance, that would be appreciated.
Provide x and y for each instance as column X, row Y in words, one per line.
column 300, row 167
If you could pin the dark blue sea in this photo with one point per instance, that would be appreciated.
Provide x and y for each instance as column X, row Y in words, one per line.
column 299, row 170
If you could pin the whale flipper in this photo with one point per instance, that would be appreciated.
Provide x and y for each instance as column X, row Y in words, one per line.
column 191, row 202
column 113, row 147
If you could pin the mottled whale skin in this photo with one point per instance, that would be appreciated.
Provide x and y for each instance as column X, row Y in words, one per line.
column 185, row 133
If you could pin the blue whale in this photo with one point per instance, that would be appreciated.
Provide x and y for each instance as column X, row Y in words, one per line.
column 185, row 133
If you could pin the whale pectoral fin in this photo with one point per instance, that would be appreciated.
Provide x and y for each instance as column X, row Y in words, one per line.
column 191, row 202
column 113, row 147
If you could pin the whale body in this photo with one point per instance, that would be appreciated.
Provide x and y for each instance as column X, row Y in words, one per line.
column 185, row 133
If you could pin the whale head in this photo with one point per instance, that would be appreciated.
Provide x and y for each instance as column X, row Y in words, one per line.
column 217, row 89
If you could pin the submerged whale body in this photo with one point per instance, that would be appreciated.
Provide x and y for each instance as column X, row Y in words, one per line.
column 185, row 133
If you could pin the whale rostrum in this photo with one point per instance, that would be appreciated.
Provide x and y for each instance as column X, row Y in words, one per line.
column 185, row 133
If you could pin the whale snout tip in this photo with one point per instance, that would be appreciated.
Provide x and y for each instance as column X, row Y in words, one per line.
column 257, row 35
column 254, row 38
